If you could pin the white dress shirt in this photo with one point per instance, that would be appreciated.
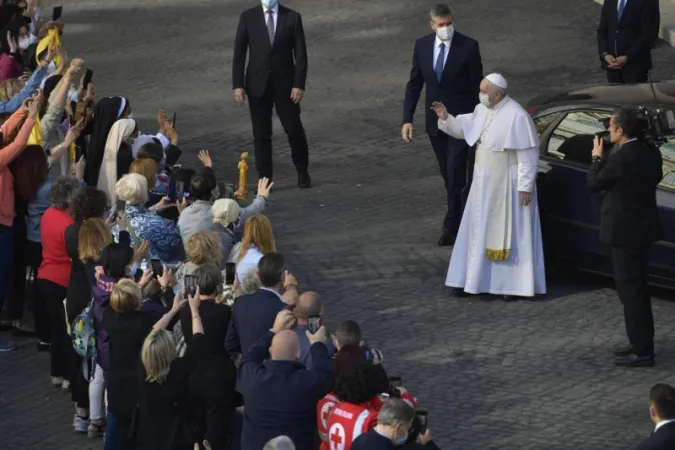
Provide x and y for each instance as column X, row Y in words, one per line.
column 275, row 15
column 437, row 49
column 662, row 423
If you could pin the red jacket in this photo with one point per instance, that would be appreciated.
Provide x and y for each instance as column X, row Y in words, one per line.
column 56, row 264
column 348, row 421
column 323, row 410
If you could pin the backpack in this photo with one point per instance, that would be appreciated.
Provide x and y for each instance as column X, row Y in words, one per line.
column 83, row 334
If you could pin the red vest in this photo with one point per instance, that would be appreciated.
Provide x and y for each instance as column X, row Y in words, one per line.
column 323, row 410
column 348, row 421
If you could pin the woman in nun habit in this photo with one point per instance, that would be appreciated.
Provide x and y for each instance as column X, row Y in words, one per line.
column 108, row 111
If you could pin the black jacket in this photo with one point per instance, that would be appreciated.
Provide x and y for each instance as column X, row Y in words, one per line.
column 633, row 36
column 252, row 317
column 285, row 61
column 459, row 85
column 281, row 396
column 629, row 176
column 662, row 439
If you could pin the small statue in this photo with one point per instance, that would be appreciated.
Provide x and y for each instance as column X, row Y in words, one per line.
column 242, row 193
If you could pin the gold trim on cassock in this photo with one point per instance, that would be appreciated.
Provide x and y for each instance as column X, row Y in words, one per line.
column 497, row 255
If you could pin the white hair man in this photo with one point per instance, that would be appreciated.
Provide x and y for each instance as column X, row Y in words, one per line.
column 499, row 248
column 280, row 443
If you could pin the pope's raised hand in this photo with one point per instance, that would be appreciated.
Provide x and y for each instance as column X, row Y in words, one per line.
column 440, row 110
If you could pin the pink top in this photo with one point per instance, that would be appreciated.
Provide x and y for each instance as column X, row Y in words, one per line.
column 9, row 67
column 7, row 155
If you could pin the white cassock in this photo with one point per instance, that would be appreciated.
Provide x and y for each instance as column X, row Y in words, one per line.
column 498, row 249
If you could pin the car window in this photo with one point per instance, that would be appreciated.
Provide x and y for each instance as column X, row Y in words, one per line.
column 668, row 156
column 542, row 123
column 572, row 140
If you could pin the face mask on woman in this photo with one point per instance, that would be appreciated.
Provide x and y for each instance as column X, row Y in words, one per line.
column 269, row 4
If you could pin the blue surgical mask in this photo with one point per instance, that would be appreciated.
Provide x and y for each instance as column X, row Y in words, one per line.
column 269, row 4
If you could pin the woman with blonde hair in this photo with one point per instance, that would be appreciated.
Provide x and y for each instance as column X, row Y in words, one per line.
column 257, row 242
column 164, row 394
column 146, row 167
column 203, row 247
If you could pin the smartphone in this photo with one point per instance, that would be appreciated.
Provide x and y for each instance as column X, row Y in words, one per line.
column 56, row 12
column 180, row 190
column 189, row 285
column 89, row 74
column 157, row 268
column 221, row 190
column 395, row 382
column 230, row 273
column 422, row 417
column 173, row 122
column 314, row 323
column 171, row 190
column 144, row 266
column 119, row 207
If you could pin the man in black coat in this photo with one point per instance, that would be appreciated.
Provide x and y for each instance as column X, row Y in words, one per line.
column 393, row 422
column 253, row 314
column 662, row 412
column 449, row 63
column 280, row 394
column 275, row 76
column 629, row 224
column 626, row 34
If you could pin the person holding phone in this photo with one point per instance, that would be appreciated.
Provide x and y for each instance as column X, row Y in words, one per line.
column 309, row 314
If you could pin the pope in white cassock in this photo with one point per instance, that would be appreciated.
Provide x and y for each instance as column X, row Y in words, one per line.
column 498, row 248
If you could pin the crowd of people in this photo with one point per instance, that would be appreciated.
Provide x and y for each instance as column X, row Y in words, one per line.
column 169, row 316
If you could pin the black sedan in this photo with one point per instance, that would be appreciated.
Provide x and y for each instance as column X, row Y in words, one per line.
column 567, row 120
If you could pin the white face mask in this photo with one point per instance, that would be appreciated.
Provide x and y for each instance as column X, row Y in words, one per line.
column 269, row 4
column 24, row 43
column 445, row 33
column 132, row 269
column 484, row 99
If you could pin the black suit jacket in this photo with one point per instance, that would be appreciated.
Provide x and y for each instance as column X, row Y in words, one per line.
column 662, row 439
column 459, row 85
column 631, row 37
column 252, row 317
column 629, row 178
column 285, row 61
column 281, row 396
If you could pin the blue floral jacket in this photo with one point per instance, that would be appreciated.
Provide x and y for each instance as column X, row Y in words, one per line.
column 163, row 234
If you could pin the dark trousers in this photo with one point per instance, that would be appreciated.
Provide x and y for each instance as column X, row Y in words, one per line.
column 289, row 115
column 630, row 276
column 28, row 254
column 79, row 385
column 452, row 156
column 6, row 252
column 61, row 347
column 621, row 76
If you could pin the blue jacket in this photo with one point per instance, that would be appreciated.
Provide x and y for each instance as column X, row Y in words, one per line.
column 281, row 396
column 252, row 317
column 36, row 208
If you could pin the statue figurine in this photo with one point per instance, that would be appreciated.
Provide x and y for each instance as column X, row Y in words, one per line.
column 242, row 193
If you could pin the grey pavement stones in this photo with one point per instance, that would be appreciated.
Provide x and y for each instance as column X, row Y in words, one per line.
column 526, row 375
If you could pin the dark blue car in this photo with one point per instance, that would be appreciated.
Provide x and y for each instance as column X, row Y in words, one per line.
column 567, row 121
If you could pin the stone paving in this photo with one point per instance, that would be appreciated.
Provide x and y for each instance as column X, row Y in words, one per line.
column 527, row 375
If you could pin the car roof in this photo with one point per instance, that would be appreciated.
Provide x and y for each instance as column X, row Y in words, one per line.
column 608, row 95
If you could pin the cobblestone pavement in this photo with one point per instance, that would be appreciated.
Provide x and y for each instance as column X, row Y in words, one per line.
column 527, row 375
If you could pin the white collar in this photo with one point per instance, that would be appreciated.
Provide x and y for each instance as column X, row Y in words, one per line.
column 438, row 42
column 662, row 423
column 275, row 10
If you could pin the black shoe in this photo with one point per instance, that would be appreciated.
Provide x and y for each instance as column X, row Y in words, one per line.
column 459, row 292
column 623, row 351
column 633, row 360
column 447, row 239
column 43, row 346
column 304, row 181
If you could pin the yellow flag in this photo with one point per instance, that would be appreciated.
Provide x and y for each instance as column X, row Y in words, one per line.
column 51, row 41
column 35, row 138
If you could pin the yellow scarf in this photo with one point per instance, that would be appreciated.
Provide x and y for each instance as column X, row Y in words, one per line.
column 51, row 41
column 35, row 137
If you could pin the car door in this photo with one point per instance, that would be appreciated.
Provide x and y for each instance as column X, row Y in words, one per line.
column 662, row 254
column 570, row 212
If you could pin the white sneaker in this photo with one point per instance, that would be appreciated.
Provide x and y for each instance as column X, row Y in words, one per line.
column 81, row 425
column 65, row 385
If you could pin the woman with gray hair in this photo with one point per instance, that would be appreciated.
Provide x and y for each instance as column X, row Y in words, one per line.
column 52, row 281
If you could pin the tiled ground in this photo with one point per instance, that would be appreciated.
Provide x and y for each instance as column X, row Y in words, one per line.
column 528, row 375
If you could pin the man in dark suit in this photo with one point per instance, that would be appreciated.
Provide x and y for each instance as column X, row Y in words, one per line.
column 253, row 314
column 275, row 76
column 626, row 33
column 281, row 394
column 449, row 63
column 393, row 422
column 629, row 224
column 662, row 412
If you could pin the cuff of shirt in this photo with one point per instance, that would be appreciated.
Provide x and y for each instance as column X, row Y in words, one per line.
column 163, row 139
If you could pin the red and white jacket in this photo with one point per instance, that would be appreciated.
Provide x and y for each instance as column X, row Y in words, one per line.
column 323, row 409
column 348, row 421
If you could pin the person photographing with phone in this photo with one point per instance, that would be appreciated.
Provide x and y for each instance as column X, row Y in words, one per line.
column 309, row 314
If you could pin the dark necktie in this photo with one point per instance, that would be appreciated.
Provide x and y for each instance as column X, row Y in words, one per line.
column 270, row 26
column 622, row 6
column 439, row 62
